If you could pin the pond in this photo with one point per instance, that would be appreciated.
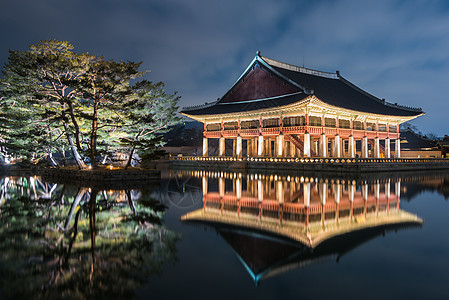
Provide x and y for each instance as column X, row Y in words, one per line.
column 220, row 235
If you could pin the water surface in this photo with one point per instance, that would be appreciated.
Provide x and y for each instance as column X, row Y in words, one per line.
column 222, row 235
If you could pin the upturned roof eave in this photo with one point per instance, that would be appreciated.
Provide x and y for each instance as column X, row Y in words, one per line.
column 303, row 102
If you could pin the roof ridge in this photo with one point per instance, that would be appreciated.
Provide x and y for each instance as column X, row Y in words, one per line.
column 287, row 66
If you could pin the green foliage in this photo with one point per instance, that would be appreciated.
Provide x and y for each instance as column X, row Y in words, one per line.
column 49, row 92
column 114, row 241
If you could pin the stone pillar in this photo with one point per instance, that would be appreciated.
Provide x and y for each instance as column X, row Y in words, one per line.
column 292, row 151
column 342, row 147
column 315, row 146
column 376, row 148
column 221, row 146
column 205, row 147
column 365, row 147
column 249, row 148
column 337, row 146
column 260, row 148
column 268, row 147
column 307, row 145
column 387, row 148
column 397, row 150
column 332, row 148
column 238, row 150
column 286, row 148
column 351, row 147
column 323, row 145
column 279, row 145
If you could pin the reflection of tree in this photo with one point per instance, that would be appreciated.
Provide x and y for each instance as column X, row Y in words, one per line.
column 105, row 244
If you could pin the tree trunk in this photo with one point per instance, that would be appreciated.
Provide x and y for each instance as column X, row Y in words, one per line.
column 79, row 161
column 62, row 154
column 128, row 164
column 93, row 137
column 75, row 124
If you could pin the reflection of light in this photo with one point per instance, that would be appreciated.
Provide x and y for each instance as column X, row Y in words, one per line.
column 110, row 167
column 89, row 167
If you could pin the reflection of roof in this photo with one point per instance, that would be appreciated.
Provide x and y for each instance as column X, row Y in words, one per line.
column 264, row 256
column 265, row 79
column 293, row 231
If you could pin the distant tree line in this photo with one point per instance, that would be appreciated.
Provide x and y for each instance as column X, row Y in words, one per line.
column 53, row 99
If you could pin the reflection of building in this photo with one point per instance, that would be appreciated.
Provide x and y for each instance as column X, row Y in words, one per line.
column 301, row 209
column 277, row 223
column 278, row 109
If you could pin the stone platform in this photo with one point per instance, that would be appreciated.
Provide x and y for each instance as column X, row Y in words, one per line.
column 316, row 164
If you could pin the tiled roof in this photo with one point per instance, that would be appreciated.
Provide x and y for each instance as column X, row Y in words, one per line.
column 226, row 108
column 330, row 88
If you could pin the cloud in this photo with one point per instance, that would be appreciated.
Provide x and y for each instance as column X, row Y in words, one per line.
column 396, row 50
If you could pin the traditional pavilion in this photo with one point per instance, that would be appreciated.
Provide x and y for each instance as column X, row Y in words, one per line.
column 281, row 110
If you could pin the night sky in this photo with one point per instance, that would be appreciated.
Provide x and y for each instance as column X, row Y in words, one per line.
column 397, row 50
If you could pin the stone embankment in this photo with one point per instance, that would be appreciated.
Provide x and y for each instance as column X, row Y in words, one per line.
column 317, row 164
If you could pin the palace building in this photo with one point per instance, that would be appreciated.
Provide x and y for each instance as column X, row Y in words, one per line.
column 277, row 109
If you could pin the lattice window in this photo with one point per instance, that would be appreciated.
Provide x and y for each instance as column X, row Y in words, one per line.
column 370, row 126
column 314, row 121
column 249, row 124
column 344, row 123
column 213, row 127
column 330, row 122
column 294, row 121
column 231, row 126
column 274, row 122
column 357, row 125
